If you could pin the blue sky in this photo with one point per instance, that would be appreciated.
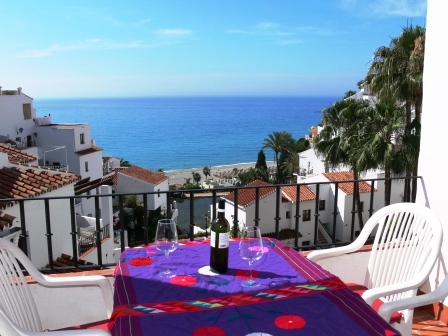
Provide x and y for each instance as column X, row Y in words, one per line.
column 195, row 47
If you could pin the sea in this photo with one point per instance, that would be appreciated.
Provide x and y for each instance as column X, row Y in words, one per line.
column 186, row 132
column 183, row 133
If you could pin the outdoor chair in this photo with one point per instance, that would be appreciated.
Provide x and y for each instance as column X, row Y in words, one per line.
column 406, row 245
column 18, row 311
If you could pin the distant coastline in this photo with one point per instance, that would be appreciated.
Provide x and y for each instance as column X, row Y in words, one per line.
column 179, row 176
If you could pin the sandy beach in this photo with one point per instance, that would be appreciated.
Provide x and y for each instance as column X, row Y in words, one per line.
column 179, row 176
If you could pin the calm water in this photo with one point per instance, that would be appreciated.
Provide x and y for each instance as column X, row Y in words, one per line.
column 180, row 133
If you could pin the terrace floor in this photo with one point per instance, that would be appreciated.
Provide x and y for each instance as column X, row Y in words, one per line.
column 425, row 324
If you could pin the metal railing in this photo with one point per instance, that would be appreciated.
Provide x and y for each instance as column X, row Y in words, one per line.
column 98, row 235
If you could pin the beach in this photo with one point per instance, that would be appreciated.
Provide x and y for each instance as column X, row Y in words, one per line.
column 180, row 176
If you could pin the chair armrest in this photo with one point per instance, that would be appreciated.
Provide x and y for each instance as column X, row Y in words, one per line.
column 372, row 294
column 439, row 294
column 80, row 281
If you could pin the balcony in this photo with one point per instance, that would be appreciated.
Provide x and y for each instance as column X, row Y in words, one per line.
column 101, row 237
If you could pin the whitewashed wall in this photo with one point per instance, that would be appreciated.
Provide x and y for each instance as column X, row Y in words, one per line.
column 433, row 159
column 11, row 116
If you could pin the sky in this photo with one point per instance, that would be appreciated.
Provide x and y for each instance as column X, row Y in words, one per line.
column 139, row 48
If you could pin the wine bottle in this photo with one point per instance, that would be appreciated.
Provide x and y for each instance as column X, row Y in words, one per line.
column 219, row 240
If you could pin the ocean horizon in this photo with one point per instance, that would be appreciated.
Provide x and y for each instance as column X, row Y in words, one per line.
column 175, row 133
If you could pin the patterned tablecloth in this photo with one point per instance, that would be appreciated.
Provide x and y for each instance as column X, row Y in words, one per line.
column 296, row 296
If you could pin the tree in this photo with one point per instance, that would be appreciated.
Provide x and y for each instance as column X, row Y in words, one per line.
column 291, row 165
column 337, row 142
column 196, row 177
column 377, row 148
column 279, row 142
column 124, row 163
column 261, row 161
column 206, row 171
column 349, row 93
column 397, row 71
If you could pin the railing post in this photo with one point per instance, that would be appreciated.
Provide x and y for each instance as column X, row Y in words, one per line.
column 335, row 212
column 352, row 232
column 372, row 189
column 235, row 214
column 297, row 217
column 48, row 233
column 98, row 231
column 23, row 234
column 257, row 206
column 75, row 246
column 316, row 215
column 145, row 220
column 277, row 211
column 191, row 215
column 122, row 229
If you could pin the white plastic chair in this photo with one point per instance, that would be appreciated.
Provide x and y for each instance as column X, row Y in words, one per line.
column 407, row 243
column 18, row 311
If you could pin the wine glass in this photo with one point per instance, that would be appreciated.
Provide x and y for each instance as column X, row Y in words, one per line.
column 251, row 249
column 166, row 241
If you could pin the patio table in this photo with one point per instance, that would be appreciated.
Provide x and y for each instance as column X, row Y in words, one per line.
column 296, row 296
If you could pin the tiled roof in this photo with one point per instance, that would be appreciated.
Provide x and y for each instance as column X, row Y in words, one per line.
column 20, row 183
column 248, row 196
column 16, row 155
column 348, row 188
column 85, row 185
column 144, row 174
column 290, row 193
column 6, row 220
column 283, row 234
column 90, row 150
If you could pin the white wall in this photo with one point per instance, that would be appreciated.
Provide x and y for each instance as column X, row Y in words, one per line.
column 433, row 159
column 11, row 115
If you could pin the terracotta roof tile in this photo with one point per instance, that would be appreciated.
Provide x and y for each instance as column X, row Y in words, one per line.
column 290, row 193
column 90, row 150
column 248, row 196
column 143, row 174
column 16, row 155
column 348, row 188
column 20, row 183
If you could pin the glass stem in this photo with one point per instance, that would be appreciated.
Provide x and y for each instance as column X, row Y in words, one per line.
column 250, row 271
column 167, row 256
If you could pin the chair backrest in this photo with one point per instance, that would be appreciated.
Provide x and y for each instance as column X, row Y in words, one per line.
column 16, row 300
column 407, row 244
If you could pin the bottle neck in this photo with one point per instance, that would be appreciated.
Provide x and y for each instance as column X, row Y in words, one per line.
column 221, row 213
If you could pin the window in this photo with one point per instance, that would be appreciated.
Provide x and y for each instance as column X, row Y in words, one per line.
column 306, row 215
column 288, row 214
column 306, row 243
column 158, row 192
column 26, row 111
column 321, row 205
column 81, row 138
column 86, row 164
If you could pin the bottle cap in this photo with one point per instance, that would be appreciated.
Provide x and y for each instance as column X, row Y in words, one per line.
column 221, row 203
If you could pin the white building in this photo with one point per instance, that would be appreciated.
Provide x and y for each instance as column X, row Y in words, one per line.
column 267, row 209
column 21, row 180
column 135, row 179
column 344, row 204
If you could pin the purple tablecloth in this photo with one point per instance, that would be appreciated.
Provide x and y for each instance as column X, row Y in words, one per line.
column 296, row 296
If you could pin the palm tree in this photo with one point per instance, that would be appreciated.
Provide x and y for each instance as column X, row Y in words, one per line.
column 397, row 71
column 291, row 165
column 196, row 177
column 124, row 163
column 377, row 148
column 278, row 142
column 206, row 171
column 339, row 138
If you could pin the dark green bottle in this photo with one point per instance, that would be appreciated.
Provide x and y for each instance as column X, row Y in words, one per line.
column 219, row 240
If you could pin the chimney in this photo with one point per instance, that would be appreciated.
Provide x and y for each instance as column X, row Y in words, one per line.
column 19, row 90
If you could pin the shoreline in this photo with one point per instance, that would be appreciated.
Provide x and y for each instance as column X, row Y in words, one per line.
column 179, row 176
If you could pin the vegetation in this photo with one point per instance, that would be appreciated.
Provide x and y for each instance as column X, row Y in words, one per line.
column 206, row 171
column 397, row 73
column 124, row 163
